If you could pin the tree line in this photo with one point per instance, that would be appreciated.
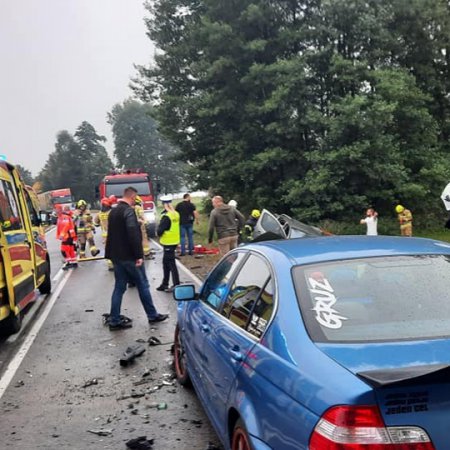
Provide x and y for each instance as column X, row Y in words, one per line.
column 319, row 108
column 80, row 160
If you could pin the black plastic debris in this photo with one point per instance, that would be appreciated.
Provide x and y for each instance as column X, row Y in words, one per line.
column 130, row 353
column 124, row 319
column 153, row 340
column 140, row 443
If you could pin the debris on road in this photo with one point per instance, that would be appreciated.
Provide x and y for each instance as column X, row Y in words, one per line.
column 140, row 443
column 92, row 382
column 101, row 432
column 130, row 353
column 152, row 340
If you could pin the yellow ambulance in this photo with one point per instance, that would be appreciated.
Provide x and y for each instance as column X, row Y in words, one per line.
column 24, row 260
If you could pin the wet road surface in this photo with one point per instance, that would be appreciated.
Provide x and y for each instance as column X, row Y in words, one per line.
column 70, row 391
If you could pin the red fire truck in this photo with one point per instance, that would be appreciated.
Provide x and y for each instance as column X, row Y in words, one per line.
column 52, row 201
column 116, row 182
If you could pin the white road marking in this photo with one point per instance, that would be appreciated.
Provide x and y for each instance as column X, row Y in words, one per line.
column 197, row 280
column 58, row 275
column 23, row 350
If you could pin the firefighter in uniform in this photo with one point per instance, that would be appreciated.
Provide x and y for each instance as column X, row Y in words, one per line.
column 169, row 238
column 85, row 229
column 249, row 226
column 65, row 232
column 101, row 220
column 138, row 208
column 405, row 218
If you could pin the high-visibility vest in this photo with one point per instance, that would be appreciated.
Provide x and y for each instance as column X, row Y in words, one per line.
column 172, row 235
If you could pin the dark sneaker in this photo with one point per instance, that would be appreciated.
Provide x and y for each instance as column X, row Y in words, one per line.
column 159, row 318
column 120, row 326
column 162, row 288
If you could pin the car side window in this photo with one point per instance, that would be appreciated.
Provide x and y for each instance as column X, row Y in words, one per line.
column 9, row 209
column 262, row 312
column 250, row 299
column 215, row 286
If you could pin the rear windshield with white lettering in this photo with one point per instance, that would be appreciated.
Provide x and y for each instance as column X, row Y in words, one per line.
column 376, row 299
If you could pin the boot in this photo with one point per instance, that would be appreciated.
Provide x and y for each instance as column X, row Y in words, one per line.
column 94, row 251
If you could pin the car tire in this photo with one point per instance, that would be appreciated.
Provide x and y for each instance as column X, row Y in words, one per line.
column 46, row 286
column 240, row 439
column 12, row 324
column 179, row 359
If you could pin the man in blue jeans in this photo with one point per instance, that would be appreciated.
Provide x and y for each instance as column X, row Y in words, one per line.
column 188, row 214
column 124, row 249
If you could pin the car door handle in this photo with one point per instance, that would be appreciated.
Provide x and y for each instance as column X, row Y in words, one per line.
column 205, row 328
column 236, row 355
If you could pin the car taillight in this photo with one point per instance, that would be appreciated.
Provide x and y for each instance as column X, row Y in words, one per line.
column 363, row 428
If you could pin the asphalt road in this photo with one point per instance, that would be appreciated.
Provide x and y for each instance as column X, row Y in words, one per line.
column 70, row 392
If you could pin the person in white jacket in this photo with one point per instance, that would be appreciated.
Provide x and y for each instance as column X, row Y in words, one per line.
column 371, row 220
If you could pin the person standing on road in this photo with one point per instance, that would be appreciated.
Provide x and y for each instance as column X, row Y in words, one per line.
column 188, row 214
column 227, row 221
column 124, row 249
column 169, row 238
column 139, row 210
column 405, row 218
column 65, row 232
column 101, row 220
column 85, row 229
column 371, row 220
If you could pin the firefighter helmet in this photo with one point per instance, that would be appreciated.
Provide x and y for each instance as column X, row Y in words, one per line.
column 138, row 200
column 105, row 201
column 399, row 209
column 255, row 213
column 112, row 199
column 233, row 203
column 81, row 203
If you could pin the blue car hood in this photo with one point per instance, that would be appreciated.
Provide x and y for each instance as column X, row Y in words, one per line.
column 400, row 363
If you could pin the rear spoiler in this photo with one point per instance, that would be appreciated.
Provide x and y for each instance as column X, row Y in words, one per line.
column 431, row 373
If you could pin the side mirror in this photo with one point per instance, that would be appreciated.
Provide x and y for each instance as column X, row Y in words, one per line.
column 184, row 293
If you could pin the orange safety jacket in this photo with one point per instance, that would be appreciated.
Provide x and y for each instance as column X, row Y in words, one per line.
column 65, row 228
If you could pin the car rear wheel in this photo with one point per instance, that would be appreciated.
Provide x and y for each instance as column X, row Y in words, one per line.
column 46, row 286
column 179, row 357
column 240, row 439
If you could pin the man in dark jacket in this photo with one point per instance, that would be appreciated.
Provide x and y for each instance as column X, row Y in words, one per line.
column 124, row 249
column 227, row 221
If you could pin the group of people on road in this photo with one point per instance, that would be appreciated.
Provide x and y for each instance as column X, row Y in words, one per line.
column 404, row 217
column 75, row 229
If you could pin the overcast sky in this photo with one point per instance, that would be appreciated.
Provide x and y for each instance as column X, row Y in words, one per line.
column 62, row 62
